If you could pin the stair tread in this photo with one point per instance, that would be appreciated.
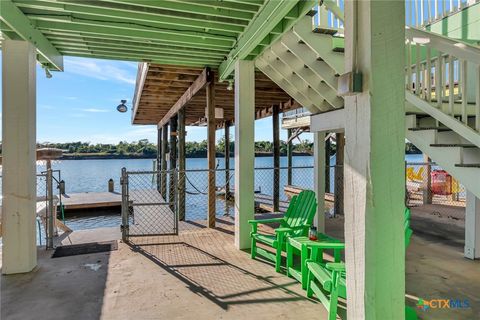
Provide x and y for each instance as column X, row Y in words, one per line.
column 323, row 30
column 446, row 145
column 430, row 128
column 468, row 165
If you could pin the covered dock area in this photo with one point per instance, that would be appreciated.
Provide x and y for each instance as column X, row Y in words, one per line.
column 220, row 64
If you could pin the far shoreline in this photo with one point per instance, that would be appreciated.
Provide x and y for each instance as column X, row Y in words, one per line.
column 141, row 156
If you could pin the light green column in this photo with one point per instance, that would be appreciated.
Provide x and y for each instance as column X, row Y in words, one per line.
column 19, row 252
column 244, row 150
column 319, row 178
column 374, row 161
column 472, row 227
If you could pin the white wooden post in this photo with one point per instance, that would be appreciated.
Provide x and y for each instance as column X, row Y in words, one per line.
column 19, row 156
column 319, row 178
column 374, row 161
column 472, row 227
column 244, row 150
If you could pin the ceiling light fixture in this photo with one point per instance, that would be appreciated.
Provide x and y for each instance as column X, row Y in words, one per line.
column 122, row 107
column 230, row 85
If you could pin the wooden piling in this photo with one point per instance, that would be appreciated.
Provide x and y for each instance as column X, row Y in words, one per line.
column 181, row 164
column 427, row 181
column 159, row 159
column 328, row 149
column 340, row 137
column 173, row 161
column 210, row 95
column 227, row 164
column 276, row 157
column 289, row 157
column 164, row 168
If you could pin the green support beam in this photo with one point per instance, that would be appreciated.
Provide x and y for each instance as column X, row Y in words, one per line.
column 126, row 12
column 159, row 25
column 218, row 10
column 135, row 31
column 136, row 58
column 114, row 46
column 18, row 22
column 182, row 32
column 258, row 31
column 52, row 34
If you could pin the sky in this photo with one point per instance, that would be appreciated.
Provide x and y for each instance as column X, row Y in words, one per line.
column 80, row 103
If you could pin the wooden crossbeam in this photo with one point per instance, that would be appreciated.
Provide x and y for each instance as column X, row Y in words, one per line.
column 205, row 77
column 18, row 22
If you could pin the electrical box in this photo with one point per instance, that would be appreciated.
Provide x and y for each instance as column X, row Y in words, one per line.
column 350, row 83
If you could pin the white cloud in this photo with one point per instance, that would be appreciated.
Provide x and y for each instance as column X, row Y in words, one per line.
column 95, row 110
column 101, row 69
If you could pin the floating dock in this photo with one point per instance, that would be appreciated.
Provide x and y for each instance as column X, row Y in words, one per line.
column 91, row 200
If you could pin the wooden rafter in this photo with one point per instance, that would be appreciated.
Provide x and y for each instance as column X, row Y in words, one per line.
column 205, row 77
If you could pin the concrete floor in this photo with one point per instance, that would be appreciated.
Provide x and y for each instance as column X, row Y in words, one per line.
column 200, row 275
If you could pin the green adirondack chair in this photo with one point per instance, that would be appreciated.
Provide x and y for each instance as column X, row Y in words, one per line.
column 296, row 222
column 327, row 281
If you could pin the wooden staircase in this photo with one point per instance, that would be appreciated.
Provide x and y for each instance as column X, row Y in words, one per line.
column 307, row 61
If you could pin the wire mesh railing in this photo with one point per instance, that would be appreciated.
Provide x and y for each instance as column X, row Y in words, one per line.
column 269, row 184
column 144, row 210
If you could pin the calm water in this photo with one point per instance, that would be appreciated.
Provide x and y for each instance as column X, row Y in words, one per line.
column 93, row 176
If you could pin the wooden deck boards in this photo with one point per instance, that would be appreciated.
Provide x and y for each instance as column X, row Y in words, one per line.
column 91, row 200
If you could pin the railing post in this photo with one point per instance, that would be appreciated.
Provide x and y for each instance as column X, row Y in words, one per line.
column 50, row 216
column 124, row 183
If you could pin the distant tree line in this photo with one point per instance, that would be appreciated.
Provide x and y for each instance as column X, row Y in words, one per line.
column 146, row 149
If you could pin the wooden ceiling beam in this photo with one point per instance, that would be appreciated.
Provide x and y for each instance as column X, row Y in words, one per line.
column 205, row 77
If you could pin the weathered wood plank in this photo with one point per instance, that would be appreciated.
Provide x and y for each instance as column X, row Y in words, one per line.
column 205, row 77
column 91, row 200
column 210, row 102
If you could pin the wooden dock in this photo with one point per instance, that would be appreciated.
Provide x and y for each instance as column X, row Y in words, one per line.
column 91, row 200
column 150, row 214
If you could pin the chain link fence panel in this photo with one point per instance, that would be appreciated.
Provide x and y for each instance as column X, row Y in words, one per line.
column 429, row 186
column 146, row 211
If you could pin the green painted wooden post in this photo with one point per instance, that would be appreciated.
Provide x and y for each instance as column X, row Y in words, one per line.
column 374, row 161
column 244, row 150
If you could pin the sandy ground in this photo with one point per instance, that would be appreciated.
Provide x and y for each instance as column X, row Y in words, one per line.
column 199, row 275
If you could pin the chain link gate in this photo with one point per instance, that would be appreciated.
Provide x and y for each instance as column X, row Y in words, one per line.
column 145, row 212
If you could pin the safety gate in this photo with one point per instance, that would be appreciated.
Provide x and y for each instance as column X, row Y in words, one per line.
column 144, row 211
